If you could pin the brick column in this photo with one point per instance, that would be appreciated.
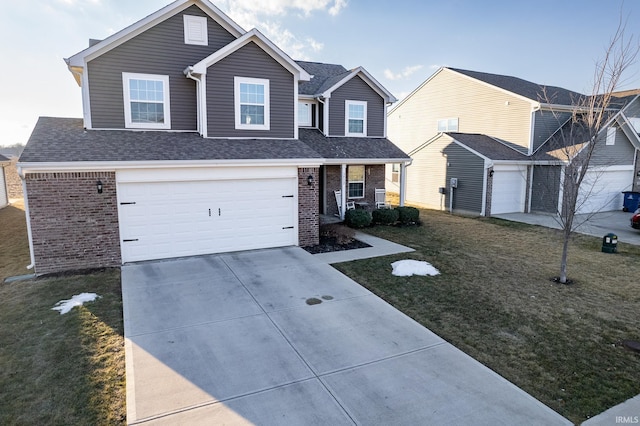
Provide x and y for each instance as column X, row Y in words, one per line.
column 308, row 207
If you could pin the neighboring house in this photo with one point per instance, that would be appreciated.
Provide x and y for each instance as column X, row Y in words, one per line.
column 199, row 137
column 494, row 138
column 4, row 193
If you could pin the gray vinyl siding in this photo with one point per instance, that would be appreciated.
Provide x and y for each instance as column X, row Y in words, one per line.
column 545, row 189
column 434, row 166
column 545, row 124
column 249, row 61
column 618, row 154
column 159, row 50
column 356, row 90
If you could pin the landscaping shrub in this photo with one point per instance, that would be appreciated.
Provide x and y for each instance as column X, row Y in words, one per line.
column 385, row 216
column 408, row 215
column 341, row 233
column 357, row 218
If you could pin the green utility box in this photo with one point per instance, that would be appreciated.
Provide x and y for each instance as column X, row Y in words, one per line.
column 610, row 243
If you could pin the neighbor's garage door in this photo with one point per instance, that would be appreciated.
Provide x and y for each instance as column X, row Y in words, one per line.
column 601, row 189
column 171, row 219
column 509, row 186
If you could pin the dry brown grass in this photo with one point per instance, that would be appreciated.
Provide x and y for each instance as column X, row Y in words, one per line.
column 57, row 369
column 14, row 244
column 495, row 301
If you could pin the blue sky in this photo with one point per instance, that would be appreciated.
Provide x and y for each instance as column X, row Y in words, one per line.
column 401, row 42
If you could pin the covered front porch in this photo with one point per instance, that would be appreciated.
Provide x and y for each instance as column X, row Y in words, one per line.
column 354, row 182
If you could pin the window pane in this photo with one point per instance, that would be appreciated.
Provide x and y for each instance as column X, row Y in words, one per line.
column 251, row 114
column 356, row 111
column 442, row 125
column 452, row 125
column 356, row 190
column 355, row 173
column 144, row 112
column 356, row 126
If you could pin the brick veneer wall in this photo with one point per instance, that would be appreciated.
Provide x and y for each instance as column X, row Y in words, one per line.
column 72, row 226
column 308, row 207
column 374, row 177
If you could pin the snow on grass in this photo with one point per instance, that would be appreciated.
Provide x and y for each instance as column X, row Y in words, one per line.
column 406, row 268
column 65, row 306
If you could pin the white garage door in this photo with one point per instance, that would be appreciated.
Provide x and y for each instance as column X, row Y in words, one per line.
column 509, row 186
column 601, row 190
column 171, row 219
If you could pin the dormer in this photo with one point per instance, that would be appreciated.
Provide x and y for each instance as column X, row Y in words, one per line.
column 344, row 102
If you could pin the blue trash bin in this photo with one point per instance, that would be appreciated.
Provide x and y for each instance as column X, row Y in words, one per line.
column 631, row 200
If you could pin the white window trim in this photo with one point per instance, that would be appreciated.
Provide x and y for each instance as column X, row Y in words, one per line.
column 243, row 126
column 611, row 136
column 190, row 20
column 305, row 121
column 364, row 178
column 128, row 123
column 346, row 118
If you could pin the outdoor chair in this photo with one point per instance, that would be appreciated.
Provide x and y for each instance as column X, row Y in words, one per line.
column 381, row 196
column 350, row 204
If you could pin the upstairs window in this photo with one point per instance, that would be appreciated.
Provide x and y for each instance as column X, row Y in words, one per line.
column 146, row 101
column 304, row 114
column 611, row 136
column 448, row 125
column 355, row 177
column 355, row 118
column 251, row 103
column 195, row 30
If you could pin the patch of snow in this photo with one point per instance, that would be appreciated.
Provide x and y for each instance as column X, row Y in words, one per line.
column 406, row 268
column 65, row 306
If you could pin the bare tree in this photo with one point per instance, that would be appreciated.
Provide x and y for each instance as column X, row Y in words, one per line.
column 578, row 139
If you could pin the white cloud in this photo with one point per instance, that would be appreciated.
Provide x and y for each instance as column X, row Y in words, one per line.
column 267, row 16
column 406, row 72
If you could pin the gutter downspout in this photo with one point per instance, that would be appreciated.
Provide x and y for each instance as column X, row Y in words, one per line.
column 26, row 212
column 188, row 72
column 403, row 181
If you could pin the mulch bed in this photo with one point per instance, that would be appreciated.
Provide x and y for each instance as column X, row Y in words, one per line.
column 329, row 244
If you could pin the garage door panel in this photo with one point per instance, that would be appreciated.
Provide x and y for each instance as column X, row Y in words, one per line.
column 508, row 191
column 601, row 190
column 171, row 219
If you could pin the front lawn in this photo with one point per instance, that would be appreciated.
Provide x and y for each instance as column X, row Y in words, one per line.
column 57, row 369
column 494, row 300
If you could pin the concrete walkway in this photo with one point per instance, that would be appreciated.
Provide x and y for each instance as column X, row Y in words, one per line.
column 279, row 337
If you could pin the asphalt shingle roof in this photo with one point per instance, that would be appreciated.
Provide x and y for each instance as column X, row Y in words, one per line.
column 533, row 91
column 493, row 148
column 337, row 147
column 324, row 76
column 3, row 158
column 65, row 140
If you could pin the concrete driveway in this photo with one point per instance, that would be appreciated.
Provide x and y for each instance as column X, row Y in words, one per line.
column 241, row 338
column 598, row 224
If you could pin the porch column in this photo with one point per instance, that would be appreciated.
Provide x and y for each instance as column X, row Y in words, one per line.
column 343, row 189
column 403, row 183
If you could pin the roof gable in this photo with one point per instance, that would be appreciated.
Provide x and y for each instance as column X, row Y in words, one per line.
column 327, row 78
column 261, row 41
column 78, row 60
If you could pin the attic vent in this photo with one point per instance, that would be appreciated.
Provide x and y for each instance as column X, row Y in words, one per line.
column 195, row 30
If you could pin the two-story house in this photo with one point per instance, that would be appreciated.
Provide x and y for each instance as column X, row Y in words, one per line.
column 199, row 137
column 487, row 144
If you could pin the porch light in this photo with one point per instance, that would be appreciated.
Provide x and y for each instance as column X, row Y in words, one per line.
column 310, row 180
column 99, row 186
